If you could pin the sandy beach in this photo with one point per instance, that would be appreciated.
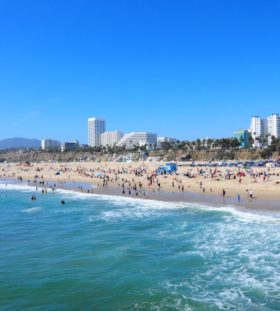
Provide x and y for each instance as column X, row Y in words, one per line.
column 135, row 179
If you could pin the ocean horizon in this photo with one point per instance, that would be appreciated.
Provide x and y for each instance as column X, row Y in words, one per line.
column 100, row 252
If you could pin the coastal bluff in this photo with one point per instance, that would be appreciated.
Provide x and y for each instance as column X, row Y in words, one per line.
column 164, row 155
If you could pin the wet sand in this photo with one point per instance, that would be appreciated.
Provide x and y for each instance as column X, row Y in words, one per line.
column 245, row 204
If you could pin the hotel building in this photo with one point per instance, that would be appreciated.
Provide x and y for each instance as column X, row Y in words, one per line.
column 133, row 139
column 96, row 127
column 111, row 138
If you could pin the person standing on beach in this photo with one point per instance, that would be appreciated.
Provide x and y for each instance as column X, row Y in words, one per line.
column 224, row 193
column 238, row 198
column 251, row 194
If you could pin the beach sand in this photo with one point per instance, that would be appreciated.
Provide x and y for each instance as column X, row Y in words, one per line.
column 203, row 184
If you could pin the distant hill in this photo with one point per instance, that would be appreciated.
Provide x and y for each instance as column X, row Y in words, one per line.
column 19, row 142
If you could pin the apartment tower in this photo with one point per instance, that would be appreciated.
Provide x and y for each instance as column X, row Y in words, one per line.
column 96, row 127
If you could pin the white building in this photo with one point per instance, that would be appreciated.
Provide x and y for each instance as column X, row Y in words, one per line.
column 273, row 126
column 50, row 144
column 133, row 139
column 262, row 130
column 96, row 127
column 258, row 130
column 163, row 139
column 110, row 138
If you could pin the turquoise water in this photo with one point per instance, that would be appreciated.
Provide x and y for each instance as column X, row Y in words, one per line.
column 106, row 253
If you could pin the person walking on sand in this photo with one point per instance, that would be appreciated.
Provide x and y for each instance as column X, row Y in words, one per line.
column 224, row 193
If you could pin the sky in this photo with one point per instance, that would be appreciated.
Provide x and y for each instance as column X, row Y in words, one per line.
column 179, row 68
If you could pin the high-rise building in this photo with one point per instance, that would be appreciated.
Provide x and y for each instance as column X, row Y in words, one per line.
column 273, row 126
column 110, row 138
column 50, row 144
column 258, row 130
column 262, row 130
column 133, row 139
column 96, row 127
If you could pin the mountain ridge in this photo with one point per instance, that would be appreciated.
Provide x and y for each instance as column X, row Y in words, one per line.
column 19, row 142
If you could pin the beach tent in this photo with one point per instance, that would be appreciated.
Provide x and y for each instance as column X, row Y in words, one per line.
column 98, row 175
column 168, row 168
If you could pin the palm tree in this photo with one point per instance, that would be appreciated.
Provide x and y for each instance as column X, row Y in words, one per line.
column 193, row 144
column 209, row 143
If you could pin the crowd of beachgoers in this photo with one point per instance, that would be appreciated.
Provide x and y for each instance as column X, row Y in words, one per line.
column 140, row 179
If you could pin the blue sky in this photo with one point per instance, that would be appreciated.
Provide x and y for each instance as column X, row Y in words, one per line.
column 188, row 69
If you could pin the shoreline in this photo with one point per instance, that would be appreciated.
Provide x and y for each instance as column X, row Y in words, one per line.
column 140, row 180
column 206, row 199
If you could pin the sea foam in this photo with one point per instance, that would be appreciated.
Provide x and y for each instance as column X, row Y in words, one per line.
column 19, row 187
column 140, row 204
column 33, row 210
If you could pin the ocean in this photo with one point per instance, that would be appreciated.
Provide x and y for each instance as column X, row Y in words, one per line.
column 112, row 253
